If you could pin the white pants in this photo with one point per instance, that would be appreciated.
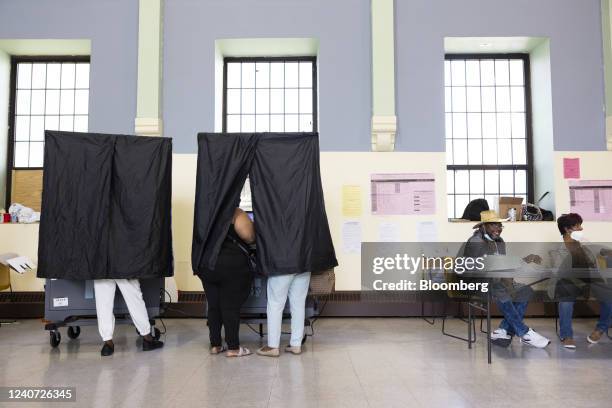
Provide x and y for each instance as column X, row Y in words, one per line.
column 105, row 301
column 279, row 288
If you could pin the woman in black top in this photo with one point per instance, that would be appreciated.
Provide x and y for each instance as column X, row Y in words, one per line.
column 228, row 286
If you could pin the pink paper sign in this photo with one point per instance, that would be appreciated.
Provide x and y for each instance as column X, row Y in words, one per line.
column 592, row 199
column 571, row 168
column 405, row 193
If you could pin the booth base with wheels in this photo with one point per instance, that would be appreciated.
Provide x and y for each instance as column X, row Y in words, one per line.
column 72, row 304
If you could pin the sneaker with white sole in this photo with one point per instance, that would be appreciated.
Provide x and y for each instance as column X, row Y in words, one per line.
column 500, row 337
column 534, row 339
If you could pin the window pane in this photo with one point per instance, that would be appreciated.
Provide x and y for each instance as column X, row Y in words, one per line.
column 66, row 102
column 305, row 123
column 262, row 101
column 502, row 72
column 460, row 151
column 277, row 101
column 519, row 151
column 22, row 128
column 81, row 102
column 23, row 102
column 506, row 182
column 37, row 128
column 52, row 122
column 461, row 201
column 504, row 127
column 247, row 123
column 24, row 76
column 233, row 101
column 447, row 73
column 518, row 125
column 462, row 182
column 233, row 123
column 488, row 99
column 291, row 75
column 305, row 74
column 305, row 100
column 36, row 154
column 450, row 206
column 292, row 123
column 489, row 126
column 492, row 200
column 277, row 123
column 472, row 73
column 233, row 75
column 474, row 125
column 458, row 99
column 248, row 75
column 450, row 181
column 80, row 123
column 504, row 151
column 291, row 101
column 447, row 99
column 491, row 181
column 39, row 76
column 458, row 72
column 248, row 101
column 477, row 182
column 489, row 151
column 502, row 98
column 487, row 73
column 52, row 102
column 518, row 99
column 21, row 154
column 459, row 126
column 473, row 99
column 38, row 102
column 262, row 123
column 82, row 75
column 475, row 151
column 262, row 75
column 520, row 182
column 68, row 75
column 53, row 75
column 448, row 125
column 449, row 151
column 66, row 123
column 277, row 74
column 516, row 72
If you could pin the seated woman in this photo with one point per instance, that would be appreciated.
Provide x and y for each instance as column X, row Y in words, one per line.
column 228, row 286
column 567, row 290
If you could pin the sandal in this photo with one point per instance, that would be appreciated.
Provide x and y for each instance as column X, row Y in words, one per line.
column 217, row 349
column 242, row 351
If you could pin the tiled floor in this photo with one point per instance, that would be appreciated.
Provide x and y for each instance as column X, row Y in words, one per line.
column 348, row 363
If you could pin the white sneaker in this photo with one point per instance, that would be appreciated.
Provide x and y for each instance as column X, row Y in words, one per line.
column 500, row 337
column 534, row 339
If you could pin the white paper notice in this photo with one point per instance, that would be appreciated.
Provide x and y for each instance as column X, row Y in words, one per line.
column 351, row 237
column 389, row 232
column 427, row 231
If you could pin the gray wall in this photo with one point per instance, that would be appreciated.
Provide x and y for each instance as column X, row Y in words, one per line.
column 343, row 30
column 574, row 29
column 112, row 27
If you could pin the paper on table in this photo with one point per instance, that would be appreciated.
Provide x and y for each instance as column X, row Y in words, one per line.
column 20, row 264
column 351, row 237
column 351, row 201
column 389, row 232
column 427, row 231
column 571, row 168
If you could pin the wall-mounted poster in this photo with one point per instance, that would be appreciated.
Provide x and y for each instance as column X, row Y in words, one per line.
column 403, row 194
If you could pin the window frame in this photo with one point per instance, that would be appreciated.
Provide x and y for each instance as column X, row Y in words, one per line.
column 313, row 59
column 15, row 60
column 529, row 166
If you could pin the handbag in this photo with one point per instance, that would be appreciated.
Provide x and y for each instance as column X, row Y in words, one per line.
column 322, row 283
column 249, row 250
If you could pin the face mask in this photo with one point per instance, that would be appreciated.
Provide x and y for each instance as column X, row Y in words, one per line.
column 577, row 236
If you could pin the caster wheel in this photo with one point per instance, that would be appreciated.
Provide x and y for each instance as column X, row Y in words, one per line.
column 55, row 338
column 156, row 333
column 74, row 332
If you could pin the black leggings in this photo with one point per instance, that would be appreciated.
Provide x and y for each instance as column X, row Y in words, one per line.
column 225, row 297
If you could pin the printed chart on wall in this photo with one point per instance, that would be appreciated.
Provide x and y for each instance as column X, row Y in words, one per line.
column 403, row 194
column 592, row 199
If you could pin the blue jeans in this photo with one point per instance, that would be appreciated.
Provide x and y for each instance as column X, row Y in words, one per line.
column 566, row 310
column 513, row 312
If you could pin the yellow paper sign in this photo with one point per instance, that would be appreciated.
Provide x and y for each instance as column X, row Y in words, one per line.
column 351, row 201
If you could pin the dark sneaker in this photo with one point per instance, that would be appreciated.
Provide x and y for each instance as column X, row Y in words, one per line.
column 151, row 345
column 594, row 337
column 107, row 350
column 569, row 343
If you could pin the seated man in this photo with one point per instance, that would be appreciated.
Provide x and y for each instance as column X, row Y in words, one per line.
column 511, row 297
column 567, row 290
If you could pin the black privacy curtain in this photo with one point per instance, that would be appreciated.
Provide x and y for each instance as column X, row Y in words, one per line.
column 292, row 232
column 105, row 207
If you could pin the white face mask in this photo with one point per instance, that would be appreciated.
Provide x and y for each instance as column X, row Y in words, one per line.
column 577, row 236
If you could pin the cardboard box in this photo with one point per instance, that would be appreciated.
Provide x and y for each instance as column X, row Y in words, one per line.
column 506, row 203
